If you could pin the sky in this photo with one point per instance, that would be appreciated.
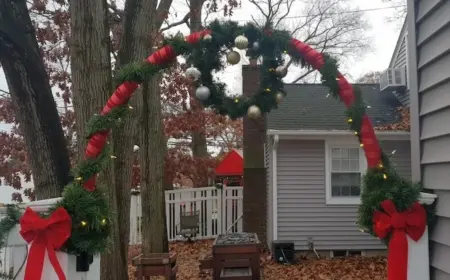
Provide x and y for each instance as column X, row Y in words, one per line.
column 382, row 34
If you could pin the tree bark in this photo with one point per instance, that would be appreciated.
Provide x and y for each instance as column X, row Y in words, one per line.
column 199, row 145
column 33, row 101
column 92, row 86
column 137, row 44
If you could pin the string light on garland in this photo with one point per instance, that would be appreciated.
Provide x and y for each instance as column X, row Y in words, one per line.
column 233, row 57
column 103, row 221
column 83, row 223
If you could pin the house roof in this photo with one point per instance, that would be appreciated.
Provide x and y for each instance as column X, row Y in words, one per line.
column 310, row 107
column 232, row 164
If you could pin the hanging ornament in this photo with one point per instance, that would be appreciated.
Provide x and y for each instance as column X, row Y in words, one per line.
column 207, row 37
column 241, row 42
column 279, row 97
column 254, row 112
column 193, row 73
column 203, row 93
column 233, row 57
column 255, row 46
column 281, row 71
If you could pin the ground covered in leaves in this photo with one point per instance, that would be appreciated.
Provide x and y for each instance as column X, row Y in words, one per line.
column 351, row 268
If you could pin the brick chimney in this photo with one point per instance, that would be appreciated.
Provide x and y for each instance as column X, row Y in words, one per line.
column 255, row 185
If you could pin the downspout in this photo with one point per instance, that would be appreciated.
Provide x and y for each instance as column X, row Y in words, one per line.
column 276, row 139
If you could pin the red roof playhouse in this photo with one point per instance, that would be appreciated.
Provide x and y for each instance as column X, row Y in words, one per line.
column 231, row 169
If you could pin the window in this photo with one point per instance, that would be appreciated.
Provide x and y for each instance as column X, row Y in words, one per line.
column 345, row 166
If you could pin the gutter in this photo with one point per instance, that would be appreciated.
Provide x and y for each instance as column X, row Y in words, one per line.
column 330, row 132
column 276, row 139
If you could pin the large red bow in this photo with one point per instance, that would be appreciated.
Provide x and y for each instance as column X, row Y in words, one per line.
column 411, row 222
column 45, row 234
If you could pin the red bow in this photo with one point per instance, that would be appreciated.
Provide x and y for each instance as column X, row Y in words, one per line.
column 46, row 234
column 411, row 222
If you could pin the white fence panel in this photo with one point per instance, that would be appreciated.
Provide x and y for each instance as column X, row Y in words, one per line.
column 219, row 211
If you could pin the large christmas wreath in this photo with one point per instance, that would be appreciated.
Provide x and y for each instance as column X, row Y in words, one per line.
column 81, row 217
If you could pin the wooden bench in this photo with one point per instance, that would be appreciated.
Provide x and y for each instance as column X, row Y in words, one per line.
column 156, row 265
column 236, row 273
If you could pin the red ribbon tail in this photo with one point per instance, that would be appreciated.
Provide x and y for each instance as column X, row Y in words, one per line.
column 54, row 261
column 398, row 256
column 35, row 260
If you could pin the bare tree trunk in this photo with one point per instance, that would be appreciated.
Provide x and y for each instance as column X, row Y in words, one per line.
column 92, row 85
column 137, row 44
column 198, row 145
column 33, row 101
column 154, row 235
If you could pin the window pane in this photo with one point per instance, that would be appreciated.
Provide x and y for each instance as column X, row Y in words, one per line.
column 345, row 184
column 344, row 153
column 355, row 191
column 354, row 165
column 354, row 153
column 335, row 191
column 336, row 165
column 345, row 165
column 335, row 153
column 346, row 191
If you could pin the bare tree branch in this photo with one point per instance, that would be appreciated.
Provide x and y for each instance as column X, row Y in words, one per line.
column 326, row 25
column 303, row 76
column 5, row 92
column 184, row 20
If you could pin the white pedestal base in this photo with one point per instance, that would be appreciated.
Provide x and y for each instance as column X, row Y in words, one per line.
column 418, row 258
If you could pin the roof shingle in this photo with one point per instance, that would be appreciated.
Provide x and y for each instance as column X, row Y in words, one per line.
column 311, row 107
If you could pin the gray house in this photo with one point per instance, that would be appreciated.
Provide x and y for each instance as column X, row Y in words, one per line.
column 428, row 27
column 314, row 167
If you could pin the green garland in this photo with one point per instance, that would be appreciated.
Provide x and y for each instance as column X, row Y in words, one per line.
column 90, row 212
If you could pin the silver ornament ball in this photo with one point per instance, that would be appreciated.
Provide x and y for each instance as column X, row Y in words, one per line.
column 193, row 73
column 233, row 57
column 202, row 93
column 241, row 42
column 281, row 71
column 255, row 46
column 254, row 112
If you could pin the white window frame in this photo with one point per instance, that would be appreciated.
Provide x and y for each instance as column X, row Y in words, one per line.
column 362, row 167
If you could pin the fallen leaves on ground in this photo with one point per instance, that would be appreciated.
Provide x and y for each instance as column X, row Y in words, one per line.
column 350, row 268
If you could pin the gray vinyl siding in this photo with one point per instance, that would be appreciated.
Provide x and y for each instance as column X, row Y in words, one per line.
column 302, row 212
column 432, row 63
column 400, row 59
column 269, row 168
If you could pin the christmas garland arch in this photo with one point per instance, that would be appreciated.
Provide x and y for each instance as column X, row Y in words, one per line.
column 81, row 218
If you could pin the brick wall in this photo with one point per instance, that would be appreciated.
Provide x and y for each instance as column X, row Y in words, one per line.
column 255, row 185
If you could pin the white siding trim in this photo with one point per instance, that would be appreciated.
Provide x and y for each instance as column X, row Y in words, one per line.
column 330, row 143
column 274, row 188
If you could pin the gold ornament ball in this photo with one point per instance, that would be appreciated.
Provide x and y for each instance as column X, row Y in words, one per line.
column 280, row 97
column 233, row 57
column 254, row 112
column 281, row 71
column 207, row 37
column 241, row 42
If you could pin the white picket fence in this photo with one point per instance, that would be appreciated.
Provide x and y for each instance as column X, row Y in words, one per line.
column 220, row 210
